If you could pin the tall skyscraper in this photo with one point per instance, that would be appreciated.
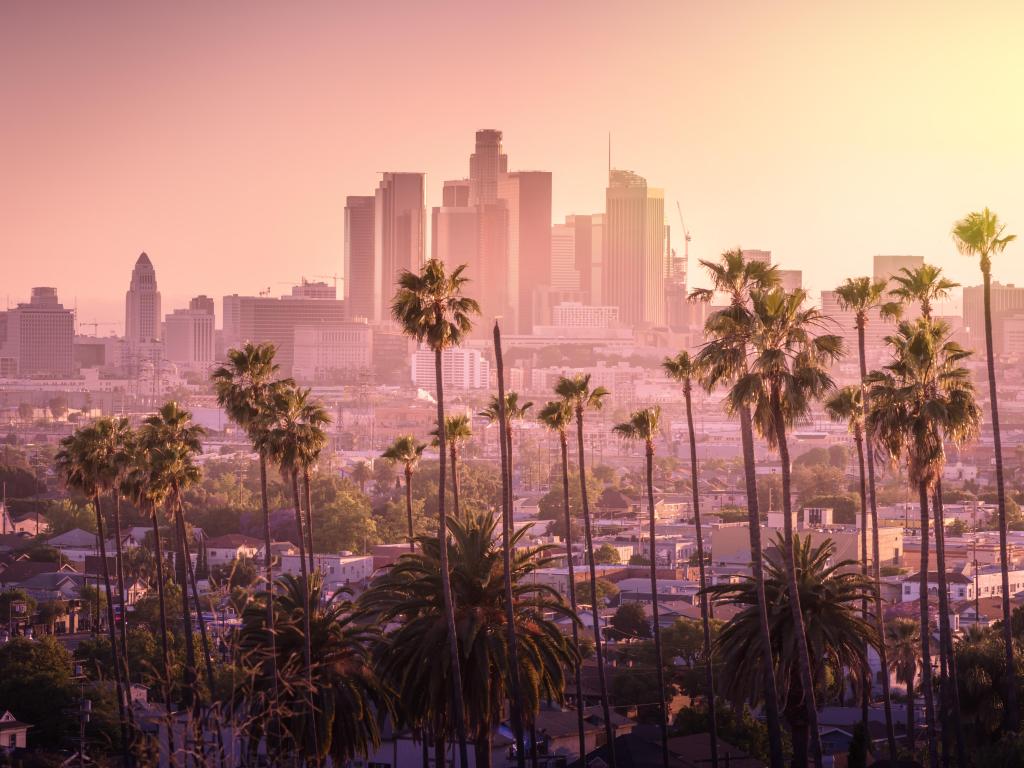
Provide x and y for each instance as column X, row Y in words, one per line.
column 564, row 274
column 527, row 198
column 142, row 304
column 36, row 339
column 887, row 266
column 363, row 294
column 1007, row 302
column 486, row 165
column 756, row 254
column 399, row 224
column 792, row 279
column 189, row 334
column 634, row 249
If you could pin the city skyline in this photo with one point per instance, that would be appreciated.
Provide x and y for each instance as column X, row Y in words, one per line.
column 853, row 155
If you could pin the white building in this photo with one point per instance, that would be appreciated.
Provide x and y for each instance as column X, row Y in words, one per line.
column 462, row 368
column 338, row 570
column 961, row 584
column 189, row 336
column 323, row 353
column 574, row 314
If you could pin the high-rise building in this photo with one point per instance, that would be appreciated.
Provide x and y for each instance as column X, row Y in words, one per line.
column 1007, row 301
column 462, row 368
column 580, row 269
column 266, row 319
column 791, row 279
column 486, row 166
column 527, row 198
column 399, row 224
column 756, row 254
column 634, row 268
column 142, row 304
column 333, row 353
column 564, row 274
column 189, row 334
column 363, row 293
column 887, row 266
column 36, row 339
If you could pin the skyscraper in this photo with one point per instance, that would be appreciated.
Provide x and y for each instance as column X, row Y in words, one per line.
column 564, row 275
column 486, row 165
column 1007, row 301
column 527, row 198
column 189, row 334
column 36, row 338
column 399, row 223
column 363, row 292
column 887, row 266
column 142, row 304
column 634, row 249
column 756, row 254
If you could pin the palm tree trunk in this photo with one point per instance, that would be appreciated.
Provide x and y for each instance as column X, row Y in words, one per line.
column 458, row 715
column 309, row 519
column 926, row 655
column 274, row 727
column 482, row 749
column 307, row 639
column 910, row 714
column 602, row 675
column 950, row 691
column 709, row 674
column 771, row 704
column 800, row 633
column 890, row 726
column 122, row 702
column 580, row 725
column 516, row 698
column 454, row 452
column 189, row 699
column 800, row 733
column 865, row 694
column 165, row 655
column 1010, row 722
column 658, row 659
column 119, row 566
column 408, row 505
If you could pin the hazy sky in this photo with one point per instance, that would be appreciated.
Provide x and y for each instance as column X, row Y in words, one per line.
column 222, row 138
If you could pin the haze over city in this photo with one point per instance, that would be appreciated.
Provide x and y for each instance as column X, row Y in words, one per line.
column 224, row 143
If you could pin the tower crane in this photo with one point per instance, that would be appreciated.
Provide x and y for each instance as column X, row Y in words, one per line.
column 335, row 277
column 686, row 241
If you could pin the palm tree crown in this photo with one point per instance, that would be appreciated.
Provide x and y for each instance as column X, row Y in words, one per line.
column 981, row 234
column 924, row 284
column 430, row 307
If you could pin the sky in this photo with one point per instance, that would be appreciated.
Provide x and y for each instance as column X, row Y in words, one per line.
column 222, row 138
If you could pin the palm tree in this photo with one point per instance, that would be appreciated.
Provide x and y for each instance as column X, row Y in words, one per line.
column 314, row 418
column 682, row 368
column 903, row 638
column 513, row 412
column 576, row 393
column 431, row 308
column 407, row 451
column 832, row 626
column 720, row 363
column 412, row 659
column 245, row 386
column 362, row 473
column 119, row 437
column 924, row 285
column 82, row 465
column 557, row 416
column 863, row 296
column 920, row 400
column 643, row 425
column 458, row 430
column 787, row 371
column 983, row 235
column 350, row 700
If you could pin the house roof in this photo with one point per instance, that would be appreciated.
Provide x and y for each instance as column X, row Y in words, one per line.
column 953, row 577
column 23, row 569
column 233, row 541
column 76, row 537
column 613, row 498
column 9, row 722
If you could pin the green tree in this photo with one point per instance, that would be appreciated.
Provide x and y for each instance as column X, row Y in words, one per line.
column 903, row 642
column 431, row 308
column 630, row 621
column 607, row 555
column 981, row 234
column 36, row 686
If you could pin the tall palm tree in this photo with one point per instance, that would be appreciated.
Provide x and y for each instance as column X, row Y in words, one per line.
column 412, row 659
column 682, row 368
column 313, row 420
column 923, row 285
column 431, row 308
column 350, row 700
column 832, row 626
column 245, row 387
column 721, row 363
column 920, row 400
column 903, row 637
column 514, row 411
column 643, row 426
column 982, row 234
column 577, row 394
column 787, row 370
column 458, row 431
column 557, row 416
column 407, row 451
column 864, row 296
column 81, row 464
column 119, row 437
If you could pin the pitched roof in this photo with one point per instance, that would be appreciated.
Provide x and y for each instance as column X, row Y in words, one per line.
column 233, row 541
column 23, row 569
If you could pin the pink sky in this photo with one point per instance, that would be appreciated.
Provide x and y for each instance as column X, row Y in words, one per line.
column 222, row 138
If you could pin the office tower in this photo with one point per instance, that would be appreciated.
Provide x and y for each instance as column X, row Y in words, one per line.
column 634, row 249
column 399, row 222
column 887, row 266
column 486, row 165
column 36, row 338
column 363, row 293
column 142, row 304
column 791, row 279
column 527, row 198
column 587, row 244
column 189, row 334
column 335, row 353
column 266, row 319
column 755, row 254
column 1007, row 301
column 462, row 368
column 574, row 314
column 564, row 274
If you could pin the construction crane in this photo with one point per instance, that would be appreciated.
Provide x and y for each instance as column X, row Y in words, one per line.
column 335, row 277
column 95, row 326
column 686, row 240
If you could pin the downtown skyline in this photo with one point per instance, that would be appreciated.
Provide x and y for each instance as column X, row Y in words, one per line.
column 234, row 178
